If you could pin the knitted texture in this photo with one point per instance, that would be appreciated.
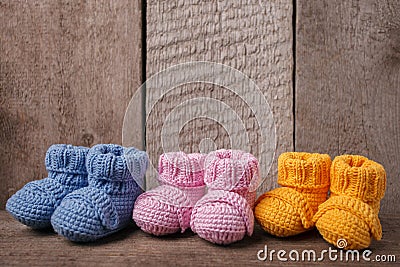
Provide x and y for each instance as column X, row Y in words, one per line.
column 34, row 204
column 166, row 209
column 105, row 205
column 224, row 215
column 351, row 213
column 289, row 210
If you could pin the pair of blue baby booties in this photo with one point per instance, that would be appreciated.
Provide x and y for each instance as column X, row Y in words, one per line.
column 88, row 194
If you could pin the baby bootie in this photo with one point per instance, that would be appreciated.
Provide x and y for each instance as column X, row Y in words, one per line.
column 224, row 215
column 105, row 205
column 166, row 209
column 34, row 204
column 349, row 218
column 289, row 210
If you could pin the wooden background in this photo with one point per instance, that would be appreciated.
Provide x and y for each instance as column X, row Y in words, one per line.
column 330, row 71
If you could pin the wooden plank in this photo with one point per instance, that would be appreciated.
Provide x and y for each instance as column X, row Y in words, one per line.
column 132, row 247
column 68, row 71
column 347, row 83
column 254, row 37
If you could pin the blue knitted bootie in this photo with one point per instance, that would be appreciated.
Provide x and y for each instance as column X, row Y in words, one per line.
column 34, row 204
column 105, row 206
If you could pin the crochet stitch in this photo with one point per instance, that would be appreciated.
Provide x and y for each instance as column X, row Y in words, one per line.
column 34, row 204
column 289, row 210
column 166, row 209
column 351, row 213
column 105, row 205
column 224, row 215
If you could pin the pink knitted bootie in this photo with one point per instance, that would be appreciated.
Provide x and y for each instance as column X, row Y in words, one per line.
column 166, row 209
column 225, row 214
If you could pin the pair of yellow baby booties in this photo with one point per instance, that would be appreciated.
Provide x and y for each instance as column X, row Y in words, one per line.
column 356, row 186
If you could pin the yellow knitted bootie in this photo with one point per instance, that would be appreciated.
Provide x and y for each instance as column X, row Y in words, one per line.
column 289, row 210
column 349, row 218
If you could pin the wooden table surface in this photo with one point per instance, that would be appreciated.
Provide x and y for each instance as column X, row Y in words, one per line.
column 21, row 245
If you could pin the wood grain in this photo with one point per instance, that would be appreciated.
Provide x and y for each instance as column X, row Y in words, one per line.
column 252, row 36
column 347, row 83
column 132, row 247
column 68, row 71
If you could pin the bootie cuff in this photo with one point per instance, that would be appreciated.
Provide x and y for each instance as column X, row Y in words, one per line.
column 194, row 194
column 66, row 158
column 181, row 170
column 304, row 170
column 232, row 170
column 110, row 162
column 358, row 177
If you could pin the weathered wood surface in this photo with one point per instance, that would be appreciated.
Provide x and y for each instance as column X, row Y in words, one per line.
column 252, row 36
column 131, row 247
column 67, row 72
column 347, row 83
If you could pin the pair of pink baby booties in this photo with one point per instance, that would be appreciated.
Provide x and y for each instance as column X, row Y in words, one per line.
column 213, row 194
